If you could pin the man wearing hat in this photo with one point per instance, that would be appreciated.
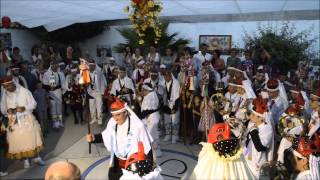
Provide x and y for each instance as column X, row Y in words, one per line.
column 108, row 68
column 123, row 86
column 23, row 131
column 171, row 104
column 259, row 144
column 233, row 98
column 130, row 145
column 260, row 80
column 138, row 74
column 73, row 94
column 150, row 113
column 96, row 90
column 277, row 105
column 14, row 71
column 53, row 81
column 153, row 79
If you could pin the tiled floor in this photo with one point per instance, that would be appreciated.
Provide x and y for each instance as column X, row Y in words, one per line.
column 177, row 160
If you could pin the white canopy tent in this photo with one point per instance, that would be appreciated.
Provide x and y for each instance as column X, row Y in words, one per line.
column 56, row 14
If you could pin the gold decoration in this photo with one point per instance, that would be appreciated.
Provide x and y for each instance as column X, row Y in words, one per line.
column 144, row 14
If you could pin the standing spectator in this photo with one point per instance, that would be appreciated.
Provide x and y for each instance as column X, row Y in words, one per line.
column 217, row 62
column 136, row 57
column 35, row 53
column 201, row 56
column 233, row 60
column 28, row 76
column 42, row 98
column 16, row 56
column 127, row 56
column 153, row 56
column 168, row 59
column 248, row 64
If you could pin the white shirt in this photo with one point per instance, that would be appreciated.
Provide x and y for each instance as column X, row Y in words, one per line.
column 122, row 132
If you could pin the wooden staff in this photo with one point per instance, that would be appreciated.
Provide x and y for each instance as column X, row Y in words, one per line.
column 184, row 128
column 87, row 113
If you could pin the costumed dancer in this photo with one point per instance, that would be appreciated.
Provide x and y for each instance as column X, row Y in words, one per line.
column 14, row 72
column 277, row 104
column 171, row 104
column 108, row 68
column 138, row 74
column 123, row 87
column 300, row 101
column 150, row 114
column 314, row 124
column 259, row 144
column 130, row 145
column 233, row 99
column 221, row 156
column 96, row 90
column 52, row 82
column 303, row 159
column 207, row 118
column 74, row 94
column 246, row 95
column 289, row 127
column 23, row 131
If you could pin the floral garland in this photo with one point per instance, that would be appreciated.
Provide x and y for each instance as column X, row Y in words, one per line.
column 144, row 14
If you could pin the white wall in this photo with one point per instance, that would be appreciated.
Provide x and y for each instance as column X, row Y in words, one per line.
column 23, row 39
column 193, row 30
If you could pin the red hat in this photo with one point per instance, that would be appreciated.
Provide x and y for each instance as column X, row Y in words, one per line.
column 219, row 132
column 303, row 146
column 117, row 106
column 139, row 156
column 6, row 80
column 316, row 93
column 292, row 111
column 259, row 106
column 273, row 85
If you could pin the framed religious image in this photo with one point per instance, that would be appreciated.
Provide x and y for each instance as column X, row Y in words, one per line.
column 104, row 51
column 221, row 42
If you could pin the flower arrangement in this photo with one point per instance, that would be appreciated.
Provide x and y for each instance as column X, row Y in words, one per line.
column 144, row 14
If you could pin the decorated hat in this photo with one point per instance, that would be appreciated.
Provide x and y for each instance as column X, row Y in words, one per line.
column 139, row 163
column 62, row 63
column 292, row 111
column 220, row 136
column 261, row 69
column 302, row 147
column 316, row 93
column 112, row 59
column 6, row 80
column 273, row 85
column 117, row 106
column 259, row 106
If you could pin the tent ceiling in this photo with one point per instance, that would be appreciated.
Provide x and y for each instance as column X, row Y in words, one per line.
column 56, row 14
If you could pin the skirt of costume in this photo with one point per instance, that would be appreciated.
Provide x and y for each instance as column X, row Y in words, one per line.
column 154, row 175
column 213, row 166
column 24, row 138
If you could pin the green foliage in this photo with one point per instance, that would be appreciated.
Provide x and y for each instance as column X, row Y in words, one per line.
column 166, row 40
column 287, row 45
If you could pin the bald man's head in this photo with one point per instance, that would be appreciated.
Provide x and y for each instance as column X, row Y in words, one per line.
column 62, row 170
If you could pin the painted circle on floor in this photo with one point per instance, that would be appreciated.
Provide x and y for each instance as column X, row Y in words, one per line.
column 180, row 166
